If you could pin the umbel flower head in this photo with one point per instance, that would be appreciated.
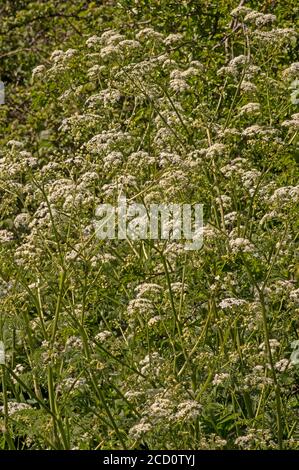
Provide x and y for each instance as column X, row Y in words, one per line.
column 295, row 354
column 2, row 353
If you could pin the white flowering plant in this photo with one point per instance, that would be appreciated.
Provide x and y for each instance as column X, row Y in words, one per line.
column 127, row 344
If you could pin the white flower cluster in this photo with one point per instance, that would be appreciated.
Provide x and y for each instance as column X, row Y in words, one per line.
column 6, row 236
column 148, row 288
column 102, row 336
column 259, row 19
column 140, row 305
column 101, row 143
column 292, row 71
column 231, row 303
column 250, row 108
column 220, row 379
column 140, row 429
column 188, row 410
column 106, row 98
column 151, row 363
column 293, row 122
